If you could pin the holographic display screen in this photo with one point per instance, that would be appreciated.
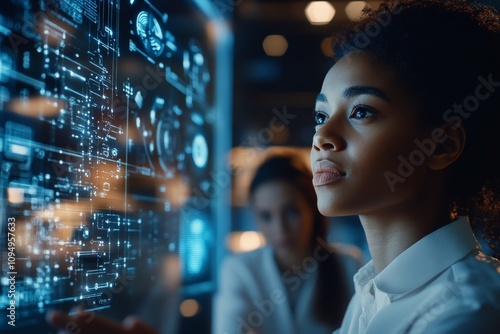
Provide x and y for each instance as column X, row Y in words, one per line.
column 106, row 151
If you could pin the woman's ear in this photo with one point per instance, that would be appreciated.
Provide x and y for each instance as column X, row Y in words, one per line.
column 449, row 149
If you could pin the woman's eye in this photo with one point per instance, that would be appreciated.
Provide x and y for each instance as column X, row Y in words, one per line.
column 360, row 112
column 319, row 117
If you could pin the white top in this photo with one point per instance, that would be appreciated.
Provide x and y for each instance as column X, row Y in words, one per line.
column 441, row 284
column 254, row 297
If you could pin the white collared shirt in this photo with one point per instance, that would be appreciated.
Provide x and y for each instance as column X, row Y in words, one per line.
column 440, row 284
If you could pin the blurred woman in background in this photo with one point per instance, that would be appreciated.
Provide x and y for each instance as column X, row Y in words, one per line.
column 297, row 283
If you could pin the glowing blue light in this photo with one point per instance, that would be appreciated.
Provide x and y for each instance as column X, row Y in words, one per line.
column 200, row 151
column 193, row 247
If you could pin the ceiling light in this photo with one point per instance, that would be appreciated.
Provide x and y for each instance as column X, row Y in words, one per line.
column 319, row 12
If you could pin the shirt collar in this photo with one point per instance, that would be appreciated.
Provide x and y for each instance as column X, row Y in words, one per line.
column 422, row 261
column 427, row 258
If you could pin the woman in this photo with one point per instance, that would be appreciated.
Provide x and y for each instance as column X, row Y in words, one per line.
column 406, row 121
column 297, row 283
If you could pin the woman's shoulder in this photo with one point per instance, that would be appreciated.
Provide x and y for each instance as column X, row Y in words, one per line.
column 477, row 271
column 470, row 297
column 244, row 270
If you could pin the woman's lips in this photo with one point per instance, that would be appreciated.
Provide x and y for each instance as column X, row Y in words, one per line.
column 326, row 172
column 322, row 179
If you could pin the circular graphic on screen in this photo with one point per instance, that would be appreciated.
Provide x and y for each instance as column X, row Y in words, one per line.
column 149, row 30
column 167, row 135
column 200, row 151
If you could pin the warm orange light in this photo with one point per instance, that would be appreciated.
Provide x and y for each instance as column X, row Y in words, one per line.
column 189, row 308
column 354, row 10
column 326, row 47
column 250, row 240
column 37, row 106
column 15, row 195
column 245, row 241
column 275, row 45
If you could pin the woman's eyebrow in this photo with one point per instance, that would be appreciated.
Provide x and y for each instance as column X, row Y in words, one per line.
column 321, row 98
column 360, row 90
column 355, row 91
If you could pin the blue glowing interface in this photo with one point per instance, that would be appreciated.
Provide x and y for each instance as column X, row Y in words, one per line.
column 106, row 151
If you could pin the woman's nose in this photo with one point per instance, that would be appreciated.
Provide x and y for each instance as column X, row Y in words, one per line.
column 321, row 144
column 328, row 138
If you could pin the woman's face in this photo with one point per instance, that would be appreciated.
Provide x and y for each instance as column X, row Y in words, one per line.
column 284, row 217
column 367, row 121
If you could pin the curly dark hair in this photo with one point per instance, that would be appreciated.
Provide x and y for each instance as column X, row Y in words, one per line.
column 444, row 50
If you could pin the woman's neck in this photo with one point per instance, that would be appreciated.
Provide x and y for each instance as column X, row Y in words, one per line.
column 391, row 231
